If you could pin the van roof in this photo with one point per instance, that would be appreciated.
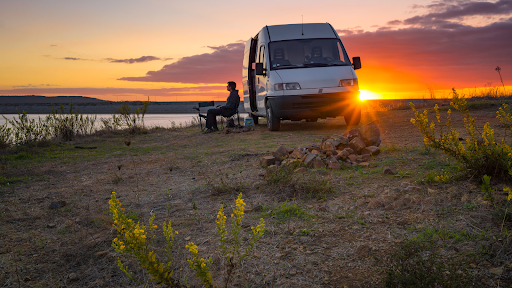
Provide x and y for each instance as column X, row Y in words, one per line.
column 301, row 31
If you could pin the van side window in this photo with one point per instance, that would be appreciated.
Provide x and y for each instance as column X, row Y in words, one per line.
column 261, row 57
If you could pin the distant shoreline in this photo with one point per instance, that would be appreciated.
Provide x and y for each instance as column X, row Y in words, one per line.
column 87, row 105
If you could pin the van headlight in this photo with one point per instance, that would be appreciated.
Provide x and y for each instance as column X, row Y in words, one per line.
column 286, row 86
column 348, row 82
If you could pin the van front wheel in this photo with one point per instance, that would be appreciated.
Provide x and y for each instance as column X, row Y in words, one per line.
column 273, row 122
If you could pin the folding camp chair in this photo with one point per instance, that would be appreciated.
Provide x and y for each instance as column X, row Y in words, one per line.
column 202, row 116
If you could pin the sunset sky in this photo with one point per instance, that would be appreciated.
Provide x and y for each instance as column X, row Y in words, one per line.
column 187, row 50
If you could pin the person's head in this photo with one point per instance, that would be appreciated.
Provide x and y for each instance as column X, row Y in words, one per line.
column 231, row 86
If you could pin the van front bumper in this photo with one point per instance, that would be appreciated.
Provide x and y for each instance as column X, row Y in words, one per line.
column 310, row 106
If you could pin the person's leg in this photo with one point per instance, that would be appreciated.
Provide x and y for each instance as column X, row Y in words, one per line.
column 211, row 118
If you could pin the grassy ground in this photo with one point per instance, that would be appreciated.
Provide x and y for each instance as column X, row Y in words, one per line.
column 325, row 228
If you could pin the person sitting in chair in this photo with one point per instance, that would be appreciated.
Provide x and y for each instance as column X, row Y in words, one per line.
column 227, row 110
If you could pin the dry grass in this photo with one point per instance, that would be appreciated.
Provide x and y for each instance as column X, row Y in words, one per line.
column 179, row 174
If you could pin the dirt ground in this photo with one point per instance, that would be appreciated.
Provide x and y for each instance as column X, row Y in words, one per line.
column 344, row 242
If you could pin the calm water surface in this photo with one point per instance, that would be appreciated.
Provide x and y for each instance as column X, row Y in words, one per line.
column 150, row 120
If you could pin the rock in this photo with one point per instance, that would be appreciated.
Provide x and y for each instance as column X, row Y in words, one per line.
column 371, row 134
column 57, row 204
column 278, row 156
column 267, row 161
column 331, row 159
column 261, row 174
column 309, row 159
column 334, row 166
column 352, row 158
column 342, row 140
column 357, row 144
column 318, row 163
column 365, row 157
column 497, row 270
column 51, row 225
column 349, row 150
column 187, row 238
column 352, row 133
column 313, row 147
column 372, row 150
column 73, row 277
column 297, row 154
column 301, row 170
column 316, row 152
column 364, row 164
column 390, row 170
column 412, row 188
column 272, row 168
column 328, row 145
column 101, row 253
column 283, row 151
column 290, row 150
column 375, row 203
column 343, row 154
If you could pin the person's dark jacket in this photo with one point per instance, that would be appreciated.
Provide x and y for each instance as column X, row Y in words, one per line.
column 231, row 104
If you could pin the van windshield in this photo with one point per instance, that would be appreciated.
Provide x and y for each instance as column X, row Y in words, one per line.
column 307, row 53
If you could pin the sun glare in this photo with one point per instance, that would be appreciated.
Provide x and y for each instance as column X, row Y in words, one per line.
column 366, row 95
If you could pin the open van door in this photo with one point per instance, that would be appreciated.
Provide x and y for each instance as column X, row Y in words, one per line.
column 248, row 73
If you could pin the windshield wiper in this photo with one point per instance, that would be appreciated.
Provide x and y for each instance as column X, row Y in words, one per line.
column 316, row 64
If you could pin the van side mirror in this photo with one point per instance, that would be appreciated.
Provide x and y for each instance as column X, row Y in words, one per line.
column 258, row 67
column 356, row 62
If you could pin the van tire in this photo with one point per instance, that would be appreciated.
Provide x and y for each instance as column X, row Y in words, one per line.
column 273, row 122
column 353, row 117
column 254, row 119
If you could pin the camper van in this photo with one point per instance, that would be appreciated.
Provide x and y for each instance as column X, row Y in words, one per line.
column 299, row 71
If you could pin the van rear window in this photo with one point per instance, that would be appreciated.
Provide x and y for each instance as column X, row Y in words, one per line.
column 307, row 53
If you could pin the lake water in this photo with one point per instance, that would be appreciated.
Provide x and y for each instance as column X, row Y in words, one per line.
column 150, row 120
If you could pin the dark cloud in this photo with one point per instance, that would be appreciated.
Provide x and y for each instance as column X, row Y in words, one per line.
column 460, row 54
column 222, row 65
column 441, row 13
column 394, row 22
column 134, row 60
column 34, row 86
column 73, row 58
column 182, row 92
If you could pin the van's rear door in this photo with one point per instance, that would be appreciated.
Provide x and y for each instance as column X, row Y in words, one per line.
column 248, row 75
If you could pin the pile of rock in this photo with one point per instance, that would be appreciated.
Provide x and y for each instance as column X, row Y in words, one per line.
column 355, row 147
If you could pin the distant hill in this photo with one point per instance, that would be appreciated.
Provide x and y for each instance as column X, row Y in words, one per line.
column 35, row 99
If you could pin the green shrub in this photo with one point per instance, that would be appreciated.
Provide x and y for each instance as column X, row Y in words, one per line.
column 285, row 211
column 5, row 136
column 134, row 122
column 482, row 155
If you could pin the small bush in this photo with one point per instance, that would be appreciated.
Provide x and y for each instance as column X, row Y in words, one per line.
column 314, row 186
column 134, row 122
column 415, row 264
column 5, row 136
column 482, row 155
column 225, row 185
column 285, row 211
column 134, row 240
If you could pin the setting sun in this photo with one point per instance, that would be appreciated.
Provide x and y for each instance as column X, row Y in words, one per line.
column 366, row 95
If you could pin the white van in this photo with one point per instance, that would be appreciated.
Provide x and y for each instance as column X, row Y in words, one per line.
column 299, row 71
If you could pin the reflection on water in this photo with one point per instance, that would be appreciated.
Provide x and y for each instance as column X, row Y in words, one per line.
column 150, row 120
